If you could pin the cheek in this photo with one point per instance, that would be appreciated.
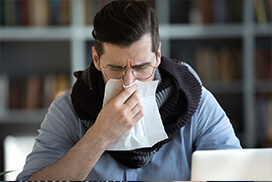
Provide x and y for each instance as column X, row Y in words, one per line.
column 104, row 77
column 150, row 79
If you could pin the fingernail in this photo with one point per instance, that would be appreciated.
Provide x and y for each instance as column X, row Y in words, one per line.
column 127, row 86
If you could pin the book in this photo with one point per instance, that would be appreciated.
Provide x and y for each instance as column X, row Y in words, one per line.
column 59, row 12
column 219, row 11
column 269, row 119
column 200, row 62
column 263, row 59
column 9, row 10
column 33, row 92
column 48, row 89
column 267, row 13
column 264, row 119
column 40, row 12
column 269, row 9
column 260, row 11
column 54, row 11
column 2, row 13
column 25, row 13
column 4, row 93
column 64, row 14
column 195, row 16
column 54, row 86
column 14, row 98
column 62, row 84
column 261, row 116
column 179, row 11
column 206, row 9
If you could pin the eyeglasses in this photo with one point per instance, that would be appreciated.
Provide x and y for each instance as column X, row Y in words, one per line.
column 141, row 72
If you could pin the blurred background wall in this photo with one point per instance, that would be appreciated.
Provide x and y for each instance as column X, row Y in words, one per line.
column 42, row 42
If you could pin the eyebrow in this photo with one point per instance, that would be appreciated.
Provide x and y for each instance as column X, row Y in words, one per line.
column 141, row 64
column 115, row 66
column 137, row 65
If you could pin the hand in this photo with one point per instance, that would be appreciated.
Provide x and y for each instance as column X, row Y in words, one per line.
column 122, row 111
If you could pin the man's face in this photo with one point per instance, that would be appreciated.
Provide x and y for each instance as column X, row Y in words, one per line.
column 137, row 56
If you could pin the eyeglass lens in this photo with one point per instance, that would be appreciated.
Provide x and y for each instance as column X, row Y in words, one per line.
column 140, row 72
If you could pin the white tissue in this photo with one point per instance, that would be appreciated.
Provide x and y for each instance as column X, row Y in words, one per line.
column 149, row 130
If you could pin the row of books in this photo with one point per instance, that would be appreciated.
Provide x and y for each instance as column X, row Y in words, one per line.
column 31, row 93
column 199, row 11
column 57, row 12
column 93, row 6
column 264, row 119
column 263, row 62
column 218, row 63
column 208, row 11
column 263, row 11
column 34, row 12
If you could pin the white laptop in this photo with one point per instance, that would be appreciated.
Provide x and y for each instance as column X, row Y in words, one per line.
column 232, row 165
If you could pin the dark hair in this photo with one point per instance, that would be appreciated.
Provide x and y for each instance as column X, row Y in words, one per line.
column 124, row 22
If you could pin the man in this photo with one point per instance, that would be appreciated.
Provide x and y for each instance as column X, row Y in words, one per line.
column 76, row 132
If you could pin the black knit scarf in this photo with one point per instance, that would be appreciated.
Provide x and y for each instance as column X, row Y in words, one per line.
column 87, row 98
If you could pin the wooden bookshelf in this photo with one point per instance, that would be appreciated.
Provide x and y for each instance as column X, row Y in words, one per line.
column 242, row 33
column 263, row 93
column 32, row 74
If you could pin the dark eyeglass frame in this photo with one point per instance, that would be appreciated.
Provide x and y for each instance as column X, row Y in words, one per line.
column 125, row 71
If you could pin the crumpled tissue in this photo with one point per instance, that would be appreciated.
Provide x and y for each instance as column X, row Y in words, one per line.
column 149, row 130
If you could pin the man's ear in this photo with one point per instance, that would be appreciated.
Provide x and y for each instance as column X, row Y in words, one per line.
column 95, row 59
column 159, row 54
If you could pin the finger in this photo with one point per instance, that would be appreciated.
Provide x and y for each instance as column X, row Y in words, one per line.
column 125, row 94
column 138, row 112
column 133, row 100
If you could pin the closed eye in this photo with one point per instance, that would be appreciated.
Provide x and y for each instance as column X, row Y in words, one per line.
column 141, row 66
column 116, row 68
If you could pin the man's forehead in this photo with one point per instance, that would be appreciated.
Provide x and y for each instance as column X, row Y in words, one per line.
column 137, row 53
column 143, row 44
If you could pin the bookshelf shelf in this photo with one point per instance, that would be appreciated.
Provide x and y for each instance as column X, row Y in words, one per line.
column 263, row 30
column 23, row 116
column 176, row 31
column 72, row 42
column 167, row 31
column 35, row 33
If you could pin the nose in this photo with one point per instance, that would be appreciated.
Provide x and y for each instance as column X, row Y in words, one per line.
column 129, row 77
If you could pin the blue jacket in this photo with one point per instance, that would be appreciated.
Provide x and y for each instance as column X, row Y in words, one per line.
column 61, row 129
